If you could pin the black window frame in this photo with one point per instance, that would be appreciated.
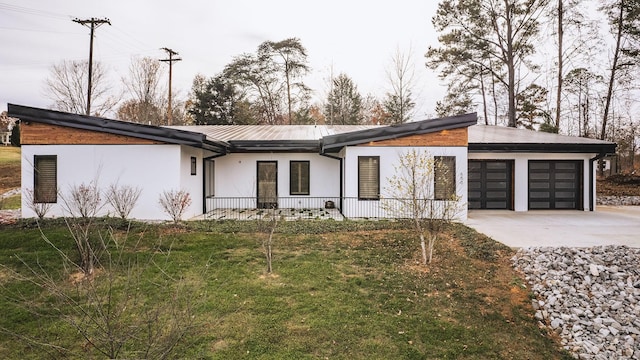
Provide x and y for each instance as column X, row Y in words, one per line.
column 450, row 185
column 194, row 165
column 376, row 178
column 44, row 196
column 298, row 181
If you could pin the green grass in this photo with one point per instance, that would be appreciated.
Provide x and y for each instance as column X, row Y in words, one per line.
column 11, row 202
column 9, row 154
column 335, row 293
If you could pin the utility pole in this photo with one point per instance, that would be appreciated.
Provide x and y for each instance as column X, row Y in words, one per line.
column 170, row 60
column 93, row 24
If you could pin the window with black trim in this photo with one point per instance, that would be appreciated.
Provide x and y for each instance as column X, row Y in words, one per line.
column 45, row 179
column 194, row 164
column 368, row 177
column 299, row 178
column 444, row 177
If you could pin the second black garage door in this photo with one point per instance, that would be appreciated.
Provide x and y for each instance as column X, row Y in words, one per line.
column 555, row 184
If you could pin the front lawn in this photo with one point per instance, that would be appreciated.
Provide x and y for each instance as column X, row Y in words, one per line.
column 345, row 290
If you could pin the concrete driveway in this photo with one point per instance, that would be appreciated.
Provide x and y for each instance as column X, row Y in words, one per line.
column 608, row 225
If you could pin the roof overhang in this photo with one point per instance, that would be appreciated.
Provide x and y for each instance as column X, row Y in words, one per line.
column 275, row 146
column 333, row 143
column 603, row 148
column 117, row 127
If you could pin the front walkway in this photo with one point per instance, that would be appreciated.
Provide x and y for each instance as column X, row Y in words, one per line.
column 608, row 225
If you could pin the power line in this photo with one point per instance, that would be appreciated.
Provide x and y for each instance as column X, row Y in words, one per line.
column 92, row 23
column 30, row 11
column 170, row 60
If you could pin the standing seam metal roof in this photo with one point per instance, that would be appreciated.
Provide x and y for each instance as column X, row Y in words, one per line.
column 272, row 132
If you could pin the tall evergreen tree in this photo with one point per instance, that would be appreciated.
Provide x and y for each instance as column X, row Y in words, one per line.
column 344, row 102
column 291, row 58
column 487, row 37
column 215, row 101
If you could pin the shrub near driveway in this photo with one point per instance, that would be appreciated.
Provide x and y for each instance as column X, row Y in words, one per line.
column 334, row 294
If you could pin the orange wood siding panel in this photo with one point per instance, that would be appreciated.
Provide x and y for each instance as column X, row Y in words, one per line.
column 454, row 137
column 44, row 134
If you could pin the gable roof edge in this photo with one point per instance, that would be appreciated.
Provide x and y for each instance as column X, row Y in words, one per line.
column 333, row 143
column 116, row 127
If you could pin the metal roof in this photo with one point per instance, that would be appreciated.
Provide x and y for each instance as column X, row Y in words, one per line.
column 499, row 138
column 319, row 138
column 271, row 132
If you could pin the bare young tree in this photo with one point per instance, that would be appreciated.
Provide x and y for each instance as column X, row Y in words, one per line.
column 423, row 191
column 81, row 205
column 123, row 198
column 146, row 99
column 175, row 203
column 66, row 86
column 268, row 224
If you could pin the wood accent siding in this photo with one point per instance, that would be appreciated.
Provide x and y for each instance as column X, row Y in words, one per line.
column 33, row 133
column 454, row 137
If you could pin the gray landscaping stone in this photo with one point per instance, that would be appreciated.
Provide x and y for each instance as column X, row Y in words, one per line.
column 590, row 297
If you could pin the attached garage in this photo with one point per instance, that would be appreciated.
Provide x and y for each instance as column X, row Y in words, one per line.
column 555, row 185
column 490, row 184
column 522, row 170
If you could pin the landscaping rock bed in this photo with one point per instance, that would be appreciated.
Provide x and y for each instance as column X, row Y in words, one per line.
column 590, row 297
column 618, row 200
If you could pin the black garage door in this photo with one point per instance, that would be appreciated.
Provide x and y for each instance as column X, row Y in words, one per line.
column 490, row 184
column 555, row 184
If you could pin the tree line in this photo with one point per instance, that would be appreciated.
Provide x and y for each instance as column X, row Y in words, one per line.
column 263, row 87
column 563, row 66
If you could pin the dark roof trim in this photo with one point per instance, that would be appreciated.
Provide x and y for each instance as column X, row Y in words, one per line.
column 116, row 127
column 333, row 143
column 275, row 145
column 603, row 148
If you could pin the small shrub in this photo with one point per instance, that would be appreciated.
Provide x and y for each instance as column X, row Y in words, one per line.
column 41, row 209
column 174, row 203
column 83, row 200
column 123, row 198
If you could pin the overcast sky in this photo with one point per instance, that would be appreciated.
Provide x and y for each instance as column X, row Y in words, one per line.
column 357, row 38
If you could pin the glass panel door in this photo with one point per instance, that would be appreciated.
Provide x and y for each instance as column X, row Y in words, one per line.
column 267, row 185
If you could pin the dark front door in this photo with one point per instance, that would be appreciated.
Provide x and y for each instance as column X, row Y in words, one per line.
column 267, row 185
column 490, row 184
column 555, row 184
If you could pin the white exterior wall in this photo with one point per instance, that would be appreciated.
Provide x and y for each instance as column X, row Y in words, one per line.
column 389, row 157
column 236, row 177
column 192, row 183
column 154, row 168
column 521, row 173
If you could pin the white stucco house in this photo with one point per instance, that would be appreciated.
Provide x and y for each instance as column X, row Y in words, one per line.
column 346, row 167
